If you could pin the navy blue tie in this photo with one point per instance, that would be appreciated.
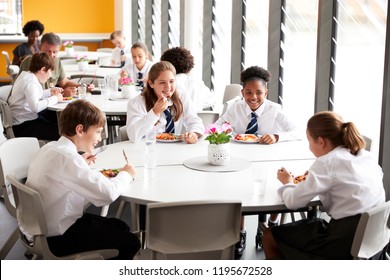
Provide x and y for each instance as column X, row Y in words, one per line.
column 170, row 126
column 123, row 62
column 252, row 126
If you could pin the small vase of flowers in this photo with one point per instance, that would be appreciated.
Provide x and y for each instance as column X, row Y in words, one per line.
column 127, row 87
column 68, row 45
column 219, row 148
column 82, row 62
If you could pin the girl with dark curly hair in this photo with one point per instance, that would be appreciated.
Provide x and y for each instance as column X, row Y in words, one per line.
column 186, row 81
column 32, row 30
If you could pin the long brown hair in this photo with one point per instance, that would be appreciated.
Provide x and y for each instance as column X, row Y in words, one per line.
column 331, row 126
column 149, row 94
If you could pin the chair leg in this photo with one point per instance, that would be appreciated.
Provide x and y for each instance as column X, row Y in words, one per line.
column 104, row 210
column 9, row 243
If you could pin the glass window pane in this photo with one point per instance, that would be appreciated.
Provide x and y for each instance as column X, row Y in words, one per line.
column 299, row 63
column 156, row 26
column 174, row 23
column 11, row 16
column 359, row 65
column 256, row 42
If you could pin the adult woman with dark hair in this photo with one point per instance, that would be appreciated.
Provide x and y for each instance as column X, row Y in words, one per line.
column 347, row 180
column 162, row 107
column 28, row 101
column 32, row 30
column 186, row 81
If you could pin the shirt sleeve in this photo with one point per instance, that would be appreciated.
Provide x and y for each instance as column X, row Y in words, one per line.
column 138, row 120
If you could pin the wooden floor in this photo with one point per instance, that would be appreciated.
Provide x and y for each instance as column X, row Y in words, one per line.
column 8, row 224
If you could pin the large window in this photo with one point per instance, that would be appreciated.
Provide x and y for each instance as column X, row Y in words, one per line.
column 11, row 16
column 256, row 37
column 299, row 63
column 359, row 64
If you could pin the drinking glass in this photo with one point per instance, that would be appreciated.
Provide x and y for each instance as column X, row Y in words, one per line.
column 101, row 84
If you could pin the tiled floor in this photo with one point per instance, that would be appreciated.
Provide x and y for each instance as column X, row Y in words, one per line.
column 8, row 224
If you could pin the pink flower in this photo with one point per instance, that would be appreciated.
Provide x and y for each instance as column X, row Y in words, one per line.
column 126, row 81
column 211, row 128
column 226, row 127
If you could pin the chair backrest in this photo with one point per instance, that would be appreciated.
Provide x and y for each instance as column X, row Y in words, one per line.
column 229, row 103
column 6, row 119
column 208, row 117
column 372, row 233
column 86, row 80
column 5, row 91
column 15, row 157
column 12, row 70
column 368, row 141
column 106, row 50
column 193, row 229
column 68, row 61
column 123, row 134
column 231, row 91
column 80, row 48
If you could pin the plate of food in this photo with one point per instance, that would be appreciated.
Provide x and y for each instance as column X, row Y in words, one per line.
column 168, row 137
column 66, row 99
column 247, row 138
column 110, row 173
column 300, row 178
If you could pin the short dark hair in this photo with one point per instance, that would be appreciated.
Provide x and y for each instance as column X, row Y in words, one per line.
column 255, row 73
column 80, row 112
column 32, row 26
column 39, row 60
column 51, row 39
column 181, row 59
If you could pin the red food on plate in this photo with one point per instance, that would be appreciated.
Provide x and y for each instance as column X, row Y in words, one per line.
column 166, row 136
column 110, row 173
column 299, row 179
column 246, row 137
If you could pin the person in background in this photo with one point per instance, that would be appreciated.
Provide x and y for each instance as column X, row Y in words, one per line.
column 255, row 114
column 137, row 68
column 121, row 50
column 186, row 81
column 160, row 106
column 32, row 30
column 51, row 44
column 348, row 181
column 29, row 101
column 66, row 186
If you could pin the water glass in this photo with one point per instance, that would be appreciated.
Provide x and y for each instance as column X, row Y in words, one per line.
column 82, row 92
column 101, row 84
column 259, row 180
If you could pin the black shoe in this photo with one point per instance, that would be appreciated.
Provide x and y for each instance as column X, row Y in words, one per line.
column 240, row 245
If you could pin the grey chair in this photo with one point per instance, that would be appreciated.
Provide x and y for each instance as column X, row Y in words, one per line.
column 6, row 119
column 372, row 233
column 208, row 117
column 12, row 70
column 193, row 230
column 15, row 157
column 231, row 91
column 80, row 48
column 106, row 50
column 123, row 134
column 31, row 214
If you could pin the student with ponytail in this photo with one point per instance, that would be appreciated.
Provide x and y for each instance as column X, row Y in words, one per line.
column 347, row 180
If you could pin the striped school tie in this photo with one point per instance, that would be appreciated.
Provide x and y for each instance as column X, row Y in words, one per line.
column 123, row 62
column 170, row 126
column 252, row 126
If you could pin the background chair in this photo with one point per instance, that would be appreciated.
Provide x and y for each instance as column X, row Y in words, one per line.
column 368, row 142
column 15, row 157
column 106, row 50
column 123, row 134
column 372, row 233
column 193, row 230
column 6, row 119
column 12, row 70
column 86, row 80
column 68, row 61
column 229, row 103
column 231, row 91
column 30, row 213
column 208, row 117
column 80, row 48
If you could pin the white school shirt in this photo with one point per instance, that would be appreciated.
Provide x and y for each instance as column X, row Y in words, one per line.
column 132, row 70
column 28, row 98
column 139, row 121
column 116, row 54
column 2, row 137
column 346, row 184
column 270, row 120
column 200, row 94
column 66, row 182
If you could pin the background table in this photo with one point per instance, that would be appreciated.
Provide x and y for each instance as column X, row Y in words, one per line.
column 72, row 70
column 91, row 55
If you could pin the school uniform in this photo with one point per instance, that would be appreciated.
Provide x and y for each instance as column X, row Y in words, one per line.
column 346, row 185
column 117, row 53
column 139, row 121
column 28, row 103
column 270, row 119
column 66, row 183
column 133, row 72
